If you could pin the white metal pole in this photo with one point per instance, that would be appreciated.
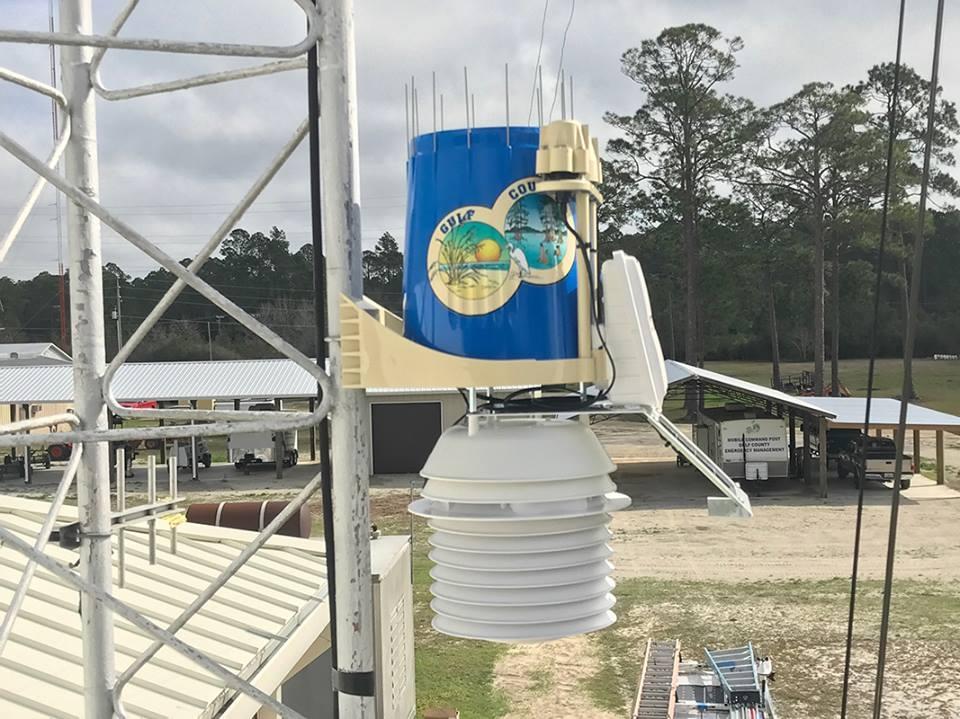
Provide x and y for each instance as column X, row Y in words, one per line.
column 350, row 464
column 120, row 464
column 89, row 362
column 174, row 494
column 151, row 499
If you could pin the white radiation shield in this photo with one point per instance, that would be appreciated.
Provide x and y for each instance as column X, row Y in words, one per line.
column 519, row 511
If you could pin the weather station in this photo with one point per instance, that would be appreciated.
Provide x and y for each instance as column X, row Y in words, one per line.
column 504, row 299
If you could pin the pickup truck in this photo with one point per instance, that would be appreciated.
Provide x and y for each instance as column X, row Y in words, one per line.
column 881, row 454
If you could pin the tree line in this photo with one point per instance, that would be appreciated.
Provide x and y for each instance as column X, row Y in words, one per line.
column 257, row 270
column 757, row 227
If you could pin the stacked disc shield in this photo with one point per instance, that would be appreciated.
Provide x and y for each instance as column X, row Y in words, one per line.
column 519, row 510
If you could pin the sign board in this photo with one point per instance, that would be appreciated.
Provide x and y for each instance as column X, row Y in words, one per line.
column 766, row 440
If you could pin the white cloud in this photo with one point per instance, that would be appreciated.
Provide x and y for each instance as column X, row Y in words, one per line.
column 174, row 164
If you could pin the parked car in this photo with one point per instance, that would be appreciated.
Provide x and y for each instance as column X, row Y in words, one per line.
column 881, row 459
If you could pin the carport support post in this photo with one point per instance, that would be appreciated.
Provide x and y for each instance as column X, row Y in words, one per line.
column 941, row 470
column 807, row 468
column 278, row 450
column 822, row 471
column 916, row 450
column 791, row 419
column 312, row 405
column 194, row 459
column 163, row 447
column 350, row 481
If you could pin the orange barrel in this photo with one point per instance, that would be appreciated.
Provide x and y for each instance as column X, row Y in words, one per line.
column 250, row 515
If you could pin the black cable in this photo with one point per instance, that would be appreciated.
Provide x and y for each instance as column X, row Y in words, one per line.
column 576, row 402
column 320, row 317
column 585, row 252
column 908, row 347
column 874, row 330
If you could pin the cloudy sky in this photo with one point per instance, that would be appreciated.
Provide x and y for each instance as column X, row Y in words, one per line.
column 173, row 165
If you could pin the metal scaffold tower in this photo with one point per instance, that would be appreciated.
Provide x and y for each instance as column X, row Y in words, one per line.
column 82, row 52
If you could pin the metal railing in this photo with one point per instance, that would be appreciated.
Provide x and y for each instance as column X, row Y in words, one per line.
column 213, row 422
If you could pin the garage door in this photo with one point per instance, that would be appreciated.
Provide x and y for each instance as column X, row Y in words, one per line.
column 404, row 435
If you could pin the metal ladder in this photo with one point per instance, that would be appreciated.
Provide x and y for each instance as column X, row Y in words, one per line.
column 655, row 695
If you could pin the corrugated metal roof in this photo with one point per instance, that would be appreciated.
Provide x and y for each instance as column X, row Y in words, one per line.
column 884, row 413
column 219, row 380
column 230, row 379
column 678, row 372
column 279, row 592
column 32, row 352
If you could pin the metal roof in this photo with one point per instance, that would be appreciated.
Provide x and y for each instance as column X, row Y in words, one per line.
column 884, row 414
column 218, row 380
column 231, row 379
column 275, row 601
column 678, row 373
column 32, row 353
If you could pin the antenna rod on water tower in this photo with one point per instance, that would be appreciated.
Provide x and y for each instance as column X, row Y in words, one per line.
column 348, row 416
column 89, row 363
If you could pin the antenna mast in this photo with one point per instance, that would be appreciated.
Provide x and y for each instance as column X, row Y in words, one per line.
column 61, row 279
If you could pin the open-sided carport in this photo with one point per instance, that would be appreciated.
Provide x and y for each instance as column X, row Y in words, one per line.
column 848, row 413
column 699, row 383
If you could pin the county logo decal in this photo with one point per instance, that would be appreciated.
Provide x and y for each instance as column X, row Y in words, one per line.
column 479, row 256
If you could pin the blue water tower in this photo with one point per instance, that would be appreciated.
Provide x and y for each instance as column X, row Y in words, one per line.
column 489, row 263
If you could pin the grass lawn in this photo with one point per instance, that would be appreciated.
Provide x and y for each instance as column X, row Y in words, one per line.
column 937, row 382
column 450, row 672
column 801, row 624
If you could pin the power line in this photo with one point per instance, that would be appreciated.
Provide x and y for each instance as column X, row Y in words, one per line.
column 908, row 346
column 563, row 45
column 536, row 67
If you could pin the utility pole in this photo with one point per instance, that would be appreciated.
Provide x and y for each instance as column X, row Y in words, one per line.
column 55, row 118
column 117, row 316
column 348, row 417
column 89, row 362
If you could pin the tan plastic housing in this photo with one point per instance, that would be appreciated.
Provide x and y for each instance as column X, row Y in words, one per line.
column 376, row 354
column 566, row 146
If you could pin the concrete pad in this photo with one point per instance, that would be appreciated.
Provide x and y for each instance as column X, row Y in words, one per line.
column 923, row 489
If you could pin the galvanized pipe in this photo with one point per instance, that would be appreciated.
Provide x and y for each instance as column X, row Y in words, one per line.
column 157, row 312
column 164, row 637
column 174, row 494
column 184, row 83
column 87, row 41
column 89, row 358
column 349, row 416
column 52, row 420
column 52, row 160
column 42, row 538
column 120, row 467
column 151, row 499
column 189, row 278
column 204, row 596
column 213, row 78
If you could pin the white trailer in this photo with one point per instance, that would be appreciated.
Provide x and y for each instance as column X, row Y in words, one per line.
column 746, row 442
column 258, row 448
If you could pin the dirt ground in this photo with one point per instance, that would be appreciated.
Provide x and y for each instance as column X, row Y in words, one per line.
column 794, row 535
column 795, row 540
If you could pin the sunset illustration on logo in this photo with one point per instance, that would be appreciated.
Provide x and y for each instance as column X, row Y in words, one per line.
column 479, row 256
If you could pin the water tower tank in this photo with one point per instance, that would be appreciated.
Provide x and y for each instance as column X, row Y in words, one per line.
column 489, row 263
